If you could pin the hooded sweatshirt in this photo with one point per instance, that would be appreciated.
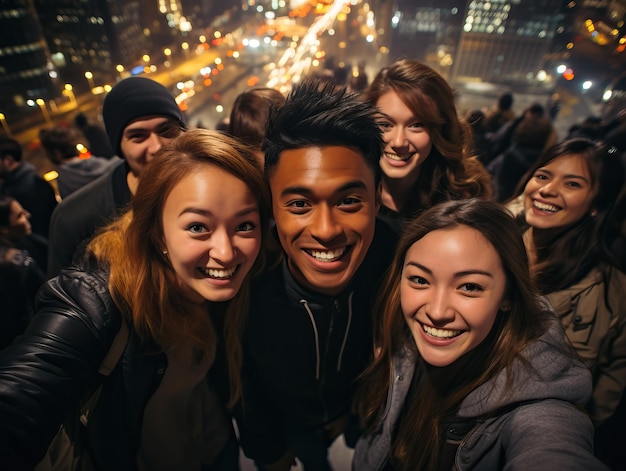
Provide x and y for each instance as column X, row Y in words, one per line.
column 75, row 174
column 303, row 352
column 537, row 422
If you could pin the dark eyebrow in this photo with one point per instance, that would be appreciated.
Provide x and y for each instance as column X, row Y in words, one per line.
column 303, row 190
column 579, row 177
column 165, row 124
column 459, row 274
column 208, row 213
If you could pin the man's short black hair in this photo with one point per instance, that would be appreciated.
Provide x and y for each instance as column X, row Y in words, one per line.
column 319, row 114
column 10, row 147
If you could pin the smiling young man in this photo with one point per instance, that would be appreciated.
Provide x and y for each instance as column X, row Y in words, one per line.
column 140, row 116
column 308, row 334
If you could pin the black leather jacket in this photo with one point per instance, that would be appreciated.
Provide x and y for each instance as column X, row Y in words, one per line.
column 50, row 370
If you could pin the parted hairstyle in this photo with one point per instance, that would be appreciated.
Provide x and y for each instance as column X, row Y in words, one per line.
column 320, row 114
column 416, row 442
column 448, row 172
column 587, row 243
column 249, row 113
column 142, row 281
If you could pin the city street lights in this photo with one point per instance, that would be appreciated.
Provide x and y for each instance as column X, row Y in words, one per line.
column 185, row 47
column 68, row 92
column 44, row 110
column 120, row 70
column 89, row 77
column 5, row 126
column 168, row 53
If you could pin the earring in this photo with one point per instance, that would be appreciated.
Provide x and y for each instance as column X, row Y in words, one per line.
column 594, row 213
column 165, row 252
column 506, row 306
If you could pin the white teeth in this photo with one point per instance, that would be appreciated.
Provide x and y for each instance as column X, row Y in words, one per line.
column 397, row 157
column 545, row 207
column 328, row 255
column 218, row 272
column 441, row 333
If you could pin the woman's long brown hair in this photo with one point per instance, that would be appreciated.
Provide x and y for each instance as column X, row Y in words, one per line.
column 417, row 439
column 142, row 281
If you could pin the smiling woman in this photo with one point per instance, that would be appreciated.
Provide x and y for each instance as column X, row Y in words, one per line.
column 573, row 215
column 427, row 157
column 471, row 371
column 20, row 275
column 176, row 268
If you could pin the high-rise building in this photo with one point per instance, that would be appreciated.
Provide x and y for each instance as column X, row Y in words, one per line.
column 26, row 72
column 93, row 36
column 427, row 30
column 506, row 41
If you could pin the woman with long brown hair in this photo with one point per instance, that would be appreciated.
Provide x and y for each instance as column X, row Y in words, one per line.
column 574, row 204
column 428, row 147
column 176, row 269
column 471, row 372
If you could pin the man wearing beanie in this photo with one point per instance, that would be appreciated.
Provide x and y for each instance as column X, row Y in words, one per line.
column 140, row 116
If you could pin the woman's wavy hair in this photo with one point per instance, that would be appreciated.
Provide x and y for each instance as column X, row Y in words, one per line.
column 417, row 442
column 448, row 172
column 142, row 281
column 588, row 242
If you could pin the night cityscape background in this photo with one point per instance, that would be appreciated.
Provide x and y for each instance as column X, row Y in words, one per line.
column 60, row 58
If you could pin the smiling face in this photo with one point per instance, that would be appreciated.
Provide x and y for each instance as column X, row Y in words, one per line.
column 142, row 138
column 559, row 194
column 407, row 142
column 324, row 203
column 212, row 233
column 19, row 224
column 451, row 290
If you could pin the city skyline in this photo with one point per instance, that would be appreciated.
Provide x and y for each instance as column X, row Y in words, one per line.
column 45, row 48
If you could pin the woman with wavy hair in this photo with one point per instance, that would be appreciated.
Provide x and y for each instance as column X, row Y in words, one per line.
column 20, row 275
column 470, row 372
column 427, row 145
column 176, row 268
column 573, row 212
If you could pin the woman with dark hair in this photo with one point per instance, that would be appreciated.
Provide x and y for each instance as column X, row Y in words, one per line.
column 426, row 158
column 20, row 275
column 573, row 212
column 176, row 268
column 470, row 371
column 249, row 115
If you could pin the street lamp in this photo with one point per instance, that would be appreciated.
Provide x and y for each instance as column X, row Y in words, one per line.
column 185, row 47
column 5, row 126
column 44, row 110
column 68, row 92
column 89, row 77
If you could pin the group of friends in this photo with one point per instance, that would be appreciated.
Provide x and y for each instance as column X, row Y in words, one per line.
column 346, row 276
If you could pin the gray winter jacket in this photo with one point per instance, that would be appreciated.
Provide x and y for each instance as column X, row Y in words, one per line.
column 540, row 427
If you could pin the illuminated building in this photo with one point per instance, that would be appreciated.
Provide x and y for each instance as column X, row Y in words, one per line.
column 427, row 30
column 25, row 68
column 93, row 35
column 506, row 41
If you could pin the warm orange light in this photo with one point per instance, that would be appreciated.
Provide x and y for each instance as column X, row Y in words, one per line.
column 568, row 74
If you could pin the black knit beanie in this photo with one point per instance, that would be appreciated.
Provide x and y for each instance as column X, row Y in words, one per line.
column 133, row 98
